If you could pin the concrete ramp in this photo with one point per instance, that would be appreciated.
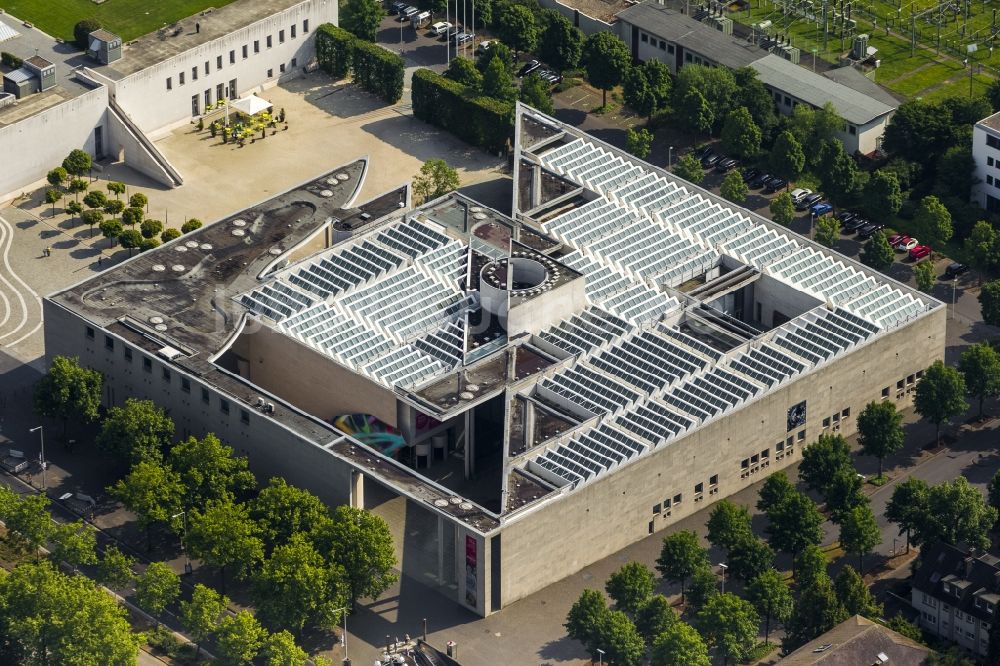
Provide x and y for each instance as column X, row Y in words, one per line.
column 139, row 152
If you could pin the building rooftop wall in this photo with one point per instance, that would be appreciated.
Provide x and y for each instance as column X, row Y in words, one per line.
column 854, row 79
column 815, row 89
column 990, row 122
column 858, row 641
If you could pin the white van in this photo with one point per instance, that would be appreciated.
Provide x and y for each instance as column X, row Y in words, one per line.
column 441, row 27
column 420, row 20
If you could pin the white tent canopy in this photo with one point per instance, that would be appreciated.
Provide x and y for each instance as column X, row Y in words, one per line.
column 251, row 105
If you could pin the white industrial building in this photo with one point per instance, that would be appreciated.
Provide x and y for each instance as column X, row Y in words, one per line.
column 986, row 156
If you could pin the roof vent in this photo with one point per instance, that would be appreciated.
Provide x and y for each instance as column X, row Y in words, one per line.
column 823, row 648
column 169, row 353
column 882, row 658
column 270, row 408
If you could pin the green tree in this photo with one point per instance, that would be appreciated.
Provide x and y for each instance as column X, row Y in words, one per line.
column 901, row 625
column 932, row 222
column 880, row 430
column 680, row 645
column 69, row 391
column 136, row 432
column 537, row 92
column 680, row 556
column 750, row 557
column 148, row 244
column 729, row 624
column 157, row 588
column 114, row 207
column 585, row 618
column 296, row 588
column 73, row 208
column 952, row 657
column 716, row 84
column 810, row 566
column 655, row 617
column 908, row 506
column 132, row 216
column 153, row 492
column 752, row 94
column 202, row 615
column 27, row 519
column 776, row 489
column 606, row 59
column 82, row 30
column 787, row 158
column 923, row 271
column 631, row 587
column 728, row 525
column 771, row 596
column 191, row 225
column 877, row 252
column 361, row 18
column 658, row 77
column 77, row 163
column 170, row 234
column 51, row 618
column 76, row 186
column 822, row 460
column 74, row 543
column 435, row 179
column 95, row 199
column 498, row 82
column 817, row 611
column 704, row 586
column 138, row 200
column 361, row 544
column 92, row 218
column 223, row 535
column 57, row 176
column 281, row 650
column 982, row 248
column 989, row 302
column 517, row 28
column 281, row 510
column 882, row 195
column 130, row 239
column 859, row 533
column 497, row 50
column 639, row 142
column 117, row 188
column 940, row 396
column 689, row 168
column 794, row 524
column 150, row 228
column 844, row 493
column 957, row 511
column 209, row 470
column 694, row 113
column 111, row 229
column 734, row 188
column 955, row 169
column 839, row 173
column 637, row 93
column 740, row 135
column 115, row 568
column 560, row 43
column 980, row 368
column 827, row 231
column 623, row 644
column 51, row 197
column 239, row 639
column 782, row 209
column 854, row 595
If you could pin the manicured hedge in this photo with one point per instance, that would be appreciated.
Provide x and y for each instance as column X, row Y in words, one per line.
column 10, row 60
column 481, row 121
column 375, row 69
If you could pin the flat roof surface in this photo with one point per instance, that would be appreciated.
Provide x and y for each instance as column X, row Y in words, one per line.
column 691, row 34
column 852, row 78
column 104, row 35
column 858, row 641
column 183, row 35
column 992, row 122
column 815, row 89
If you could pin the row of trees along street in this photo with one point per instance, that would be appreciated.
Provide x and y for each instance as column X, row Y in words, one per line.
column 300, row 563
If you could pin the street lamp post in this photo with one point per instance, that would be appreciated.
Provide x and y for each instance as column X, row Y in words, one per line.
column 600, row 657
column 41, row 454
column 670, row 157
column 184, row 537
column 954, row 288
column 347, row 661
column 724, row 567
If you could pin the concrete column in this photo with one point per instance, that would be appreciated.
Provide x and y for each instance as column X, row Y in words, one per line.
column 357, row 489
column 440, row 547
column 536, row 188
column 470, row 443
column 406, row 421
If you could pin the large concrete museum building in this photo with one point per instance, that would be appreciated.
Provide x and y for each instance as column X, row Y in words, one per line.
column 517, row 397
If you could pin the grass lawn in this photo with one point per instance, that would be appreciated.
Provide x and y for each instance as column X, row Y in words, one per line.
column 127, row 18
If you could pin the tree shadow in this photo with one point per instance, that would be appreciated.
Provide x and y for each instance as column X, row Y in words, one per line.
column 563, row 649
column 45, row 234
column 85, row 252
column 65, row 244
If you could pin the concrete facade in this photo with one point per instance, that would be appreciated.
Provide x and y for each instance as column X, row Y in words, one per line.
column 986, row 156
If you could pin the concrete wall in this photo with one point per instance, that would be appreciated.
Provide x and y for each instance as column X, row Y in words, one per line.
column 981, row 152
column 599, row 518
column 774, row 295
column 173, row 106
column 125, row 144
column 310, row 380
column 30, row 147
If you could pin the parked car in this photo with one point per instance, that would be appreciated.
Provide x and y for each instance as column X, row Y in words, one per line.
column 775, row 184
column 919, row 252
column 710, row 160
column 854, row 224
column 397, row 7
column 441, row 27
column 485, row 45
column 450, row 35
column 726, row 164
column 750, row 174
column 808, row 200
column 906, row 244
column 895, row 238
column 701, row 152
column 821, row 208
column 463, row 38
column 799, row 193
column 759, row 180
column 870, row 229
column 954, row 270
column 407, row 12
column 528, row 68
column 550, row 76
column 846, row 216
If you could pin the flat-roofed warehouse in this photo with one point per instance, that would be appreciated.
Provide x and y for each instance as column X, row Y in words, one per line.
column 517, row 397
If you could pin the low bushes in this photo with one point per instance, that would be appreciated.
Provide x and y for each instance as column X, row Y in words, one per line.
column 375, row 69
column 474, row 118
column 10, row 60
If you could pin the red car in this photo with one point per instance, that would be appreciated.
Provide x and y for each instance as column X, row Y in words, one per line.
column 919, row 252
column 895, row 238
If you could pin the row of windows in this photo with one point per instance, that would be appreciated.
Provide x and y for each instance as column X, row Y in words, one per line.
column 835, row 418
column 905, row 385
column 167, row 375
column 650, row 39
column 245, row 52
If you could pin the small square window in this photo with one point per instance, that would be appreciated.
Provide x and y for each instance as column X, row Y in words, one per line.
column 281, row 36
column 147, row 364
column 185, row 384
column 745, row 463
column 852, row 130
column 232, row 57
column 650, row 526
column 281, row 68
column 765, row 454
column 218, row 62
column 256, row 46
column 270, row 73
column 269, row 41
column 644, row 38
column 666, row 504
column 826, row 422
column 170, row 83
column 294, row 61
column 109, row 343
column 663, row 45
column 713, row 480
column 920, row 373
column 885, row 392
column 128, row 354
column 836, row 417
column 900, row 384
column 207, row 70
column 223, row 405
column 194, row 73
column 244, row 417
column 699, row 488
column 989, row 161
column 305, row 25
column 244, row 51
column 677, row 498
column 180, row 78
column 90, row 332
column 845, row 412
column 293, row 30
column 166, row 375
column 789, row 442
column 801, row 436
column 670, row 49
column 779, row 447
column 911, row 378
column 204, row 395
column 656, row 508
column 754, row 459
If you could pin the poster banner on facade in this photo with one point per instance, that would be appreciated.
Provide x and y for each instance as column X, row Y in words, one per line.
column 471, row 573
